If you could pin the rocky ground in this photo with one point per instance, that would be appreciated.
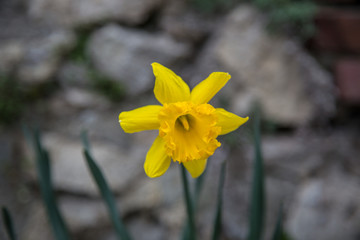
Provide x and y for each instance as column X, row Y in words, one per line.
column 83, row 62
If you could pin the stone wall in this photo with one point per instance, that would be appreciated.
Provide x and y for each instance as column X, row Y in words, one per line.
column 337, row 41
column 82, row 62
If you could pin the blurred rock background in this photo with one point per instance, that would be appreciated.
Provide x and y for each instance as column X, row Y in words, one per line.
column 68, row 65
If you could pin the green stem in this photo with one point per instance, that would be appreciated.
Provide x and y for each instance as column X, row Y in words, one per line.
column 9, row 227
column 198, row 186
column 257, row 207
column 189, row 205
column 217, row 220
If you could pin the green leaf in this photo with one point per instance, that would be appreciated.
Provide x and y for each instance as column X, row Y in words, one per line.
column 279, row 233
column 85, row 140
column 44, row 174
column 189, row 207
column 217, row 220
column 278, row 229
column 257, row 208
column 198, row 187
column 107, row 195
column 8, row 223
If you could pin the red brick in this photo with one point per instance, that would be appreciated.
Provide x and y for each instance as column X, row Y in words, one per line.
column 338, row 30
column 348, row 79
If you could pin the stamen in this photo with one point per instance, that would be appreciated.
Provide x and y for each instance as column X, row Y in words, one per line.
column 193, row 136
column 184, row 122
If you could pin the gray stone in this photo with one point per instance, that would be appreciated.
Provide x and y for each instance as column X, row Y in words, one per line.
column 144, row 194
column 183, row 23
column 42, row 56
column 237, row 203
column 326, row 208
column 290, row 158
column 80, row 213
column 70, row 171
column 70, row 101
column 80, row 98
column 140, row 226
column 146, row 228
column 296, row 157
column 102, row 123
column 74, row 74
column 125, row 55
column 292, row 88
column 16, row 25
column 289, row 161
column 173, row 217
column 10, row 56
column 29, row 48
column 84, row 12
column 36, row 226
column 172, row 212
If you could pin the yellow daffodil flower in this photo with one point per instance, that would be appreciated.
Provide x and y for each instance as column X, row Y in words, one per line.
column 188, row 126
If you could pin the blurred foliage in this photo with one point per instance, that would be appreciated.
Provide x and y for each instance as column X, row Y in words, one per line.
column 257, row 202
column 231, row 139
column 210, row 6
column 111, row 89
column 104, row 188
column 43, row 167
column 217, row 227
column 294, row 17
column 11, row 100
column 8, row 223
column 14, row 96
column 59, row 226
column 279, row 232
column 39, row 91
column 245, row 132
column 78, row 54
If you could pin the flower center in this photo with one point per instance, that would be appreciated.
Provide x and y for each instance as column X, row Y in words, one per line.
column 189, row 130
column 183, row 122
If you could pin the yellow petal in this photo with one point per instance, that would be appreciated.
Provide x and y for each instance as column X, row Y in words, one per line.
column 169, row 87
column 228, row 121
column 195, row 167
column 140, row 119
column 207, row 89
column 157, row 161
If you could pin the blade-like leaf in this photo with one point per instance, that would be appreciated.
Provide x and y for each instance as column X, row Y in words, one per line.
column 107, row 195
column 189, row 234
column 279, row 233
column 85, row 140
column 28, row 134
column 199, row 182
column 257, row 192
column 9, row 227
column 217, row 220
column 198, row 187
column 44, row 174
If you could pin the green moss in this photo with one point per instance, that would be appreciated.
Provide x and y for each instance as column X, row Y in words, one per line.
column 109, row 88
column 11, row 100
column 294, row 17
column 78, row 54
column 211, row 6
column 40, row 91
column 104, row 85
